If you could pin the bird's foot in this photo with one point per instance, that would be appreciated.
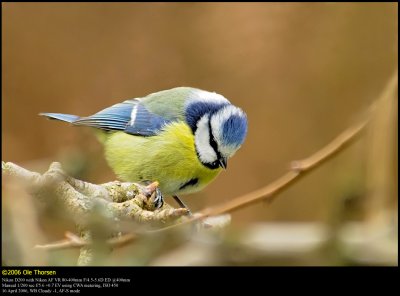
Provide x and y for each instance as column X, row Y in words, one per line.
column 154, row 194
column 159, row 199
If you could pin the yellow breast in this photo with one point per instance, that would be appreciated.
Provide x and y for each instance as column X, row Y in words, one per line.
column 169, row 158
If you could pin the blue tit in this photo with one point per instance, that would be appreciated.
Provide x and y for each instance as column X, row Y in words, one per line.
column 181, row 137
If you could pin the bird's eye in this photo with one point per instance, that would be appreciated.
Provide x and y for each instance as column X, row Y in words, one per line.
column 215, row 164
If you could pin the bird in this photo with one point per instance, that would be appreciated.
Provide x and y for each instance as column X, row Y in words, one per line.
column 180, row 137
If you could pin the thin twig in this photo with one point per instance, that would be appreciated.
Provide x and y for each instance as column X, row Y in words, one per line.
column 298, row 168
column 122, row 240
column 73, row 241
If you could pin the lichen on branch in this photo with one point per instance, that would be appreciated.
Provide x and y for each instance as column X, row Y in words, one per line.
column 120, row 199
column 110, row 202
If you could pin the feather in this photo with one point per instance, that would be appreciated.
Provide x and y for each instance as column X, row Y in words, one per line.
column 196, row 110
column 145, row 123
column 129, row 116
column 60, row 116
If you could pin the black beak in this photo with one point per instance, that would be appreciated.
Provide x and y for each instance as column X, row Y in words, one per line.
column 223, row 162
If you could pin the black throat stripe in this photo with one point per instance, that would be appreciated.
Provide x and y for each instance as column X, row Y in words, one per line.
column 191, row 182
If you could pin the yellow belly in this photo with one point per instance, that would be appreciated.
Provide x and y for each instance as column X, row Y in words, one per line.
column 169, row 158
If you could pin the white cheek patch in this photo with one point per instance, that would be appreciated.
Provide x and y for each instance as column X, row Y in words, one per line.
column 202, row 141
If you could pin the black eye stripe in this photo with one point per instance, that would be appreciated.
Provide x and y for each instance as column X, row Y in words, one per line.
column 213, row 143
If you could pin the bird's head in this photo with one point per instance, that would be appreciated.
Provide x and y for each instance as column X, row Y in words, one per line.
column 219, row 128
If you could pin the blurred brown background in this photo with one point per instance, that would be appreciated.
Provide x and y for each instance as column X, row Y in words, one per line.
column 302, row 72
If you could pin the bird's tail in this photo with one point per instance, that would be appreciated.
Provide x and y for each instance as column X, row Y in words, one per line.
column 59, row 116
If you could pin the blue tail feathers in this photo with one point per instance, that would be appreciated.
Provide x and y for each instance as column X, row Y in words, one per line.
column 59, row 116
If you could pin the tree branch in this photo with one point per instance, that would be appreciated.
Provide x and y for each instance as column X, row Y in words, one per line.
column 95, row 208
column 120, row 199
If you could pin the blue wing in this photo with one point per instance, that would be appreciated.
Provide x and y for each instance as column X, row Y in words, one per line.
column 129, row 116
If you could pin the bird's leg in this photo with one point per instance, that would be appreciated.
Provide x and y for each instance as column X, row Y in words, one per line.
column 182, row 204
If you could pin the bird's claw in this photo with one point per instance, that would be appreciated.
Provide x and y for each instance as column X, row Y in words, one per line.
column 159, row 199
column 154, row 194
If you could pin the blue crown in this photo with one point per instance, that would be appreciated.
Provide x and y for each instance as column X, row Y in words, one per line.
column 234, row 130
column 196, row 110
